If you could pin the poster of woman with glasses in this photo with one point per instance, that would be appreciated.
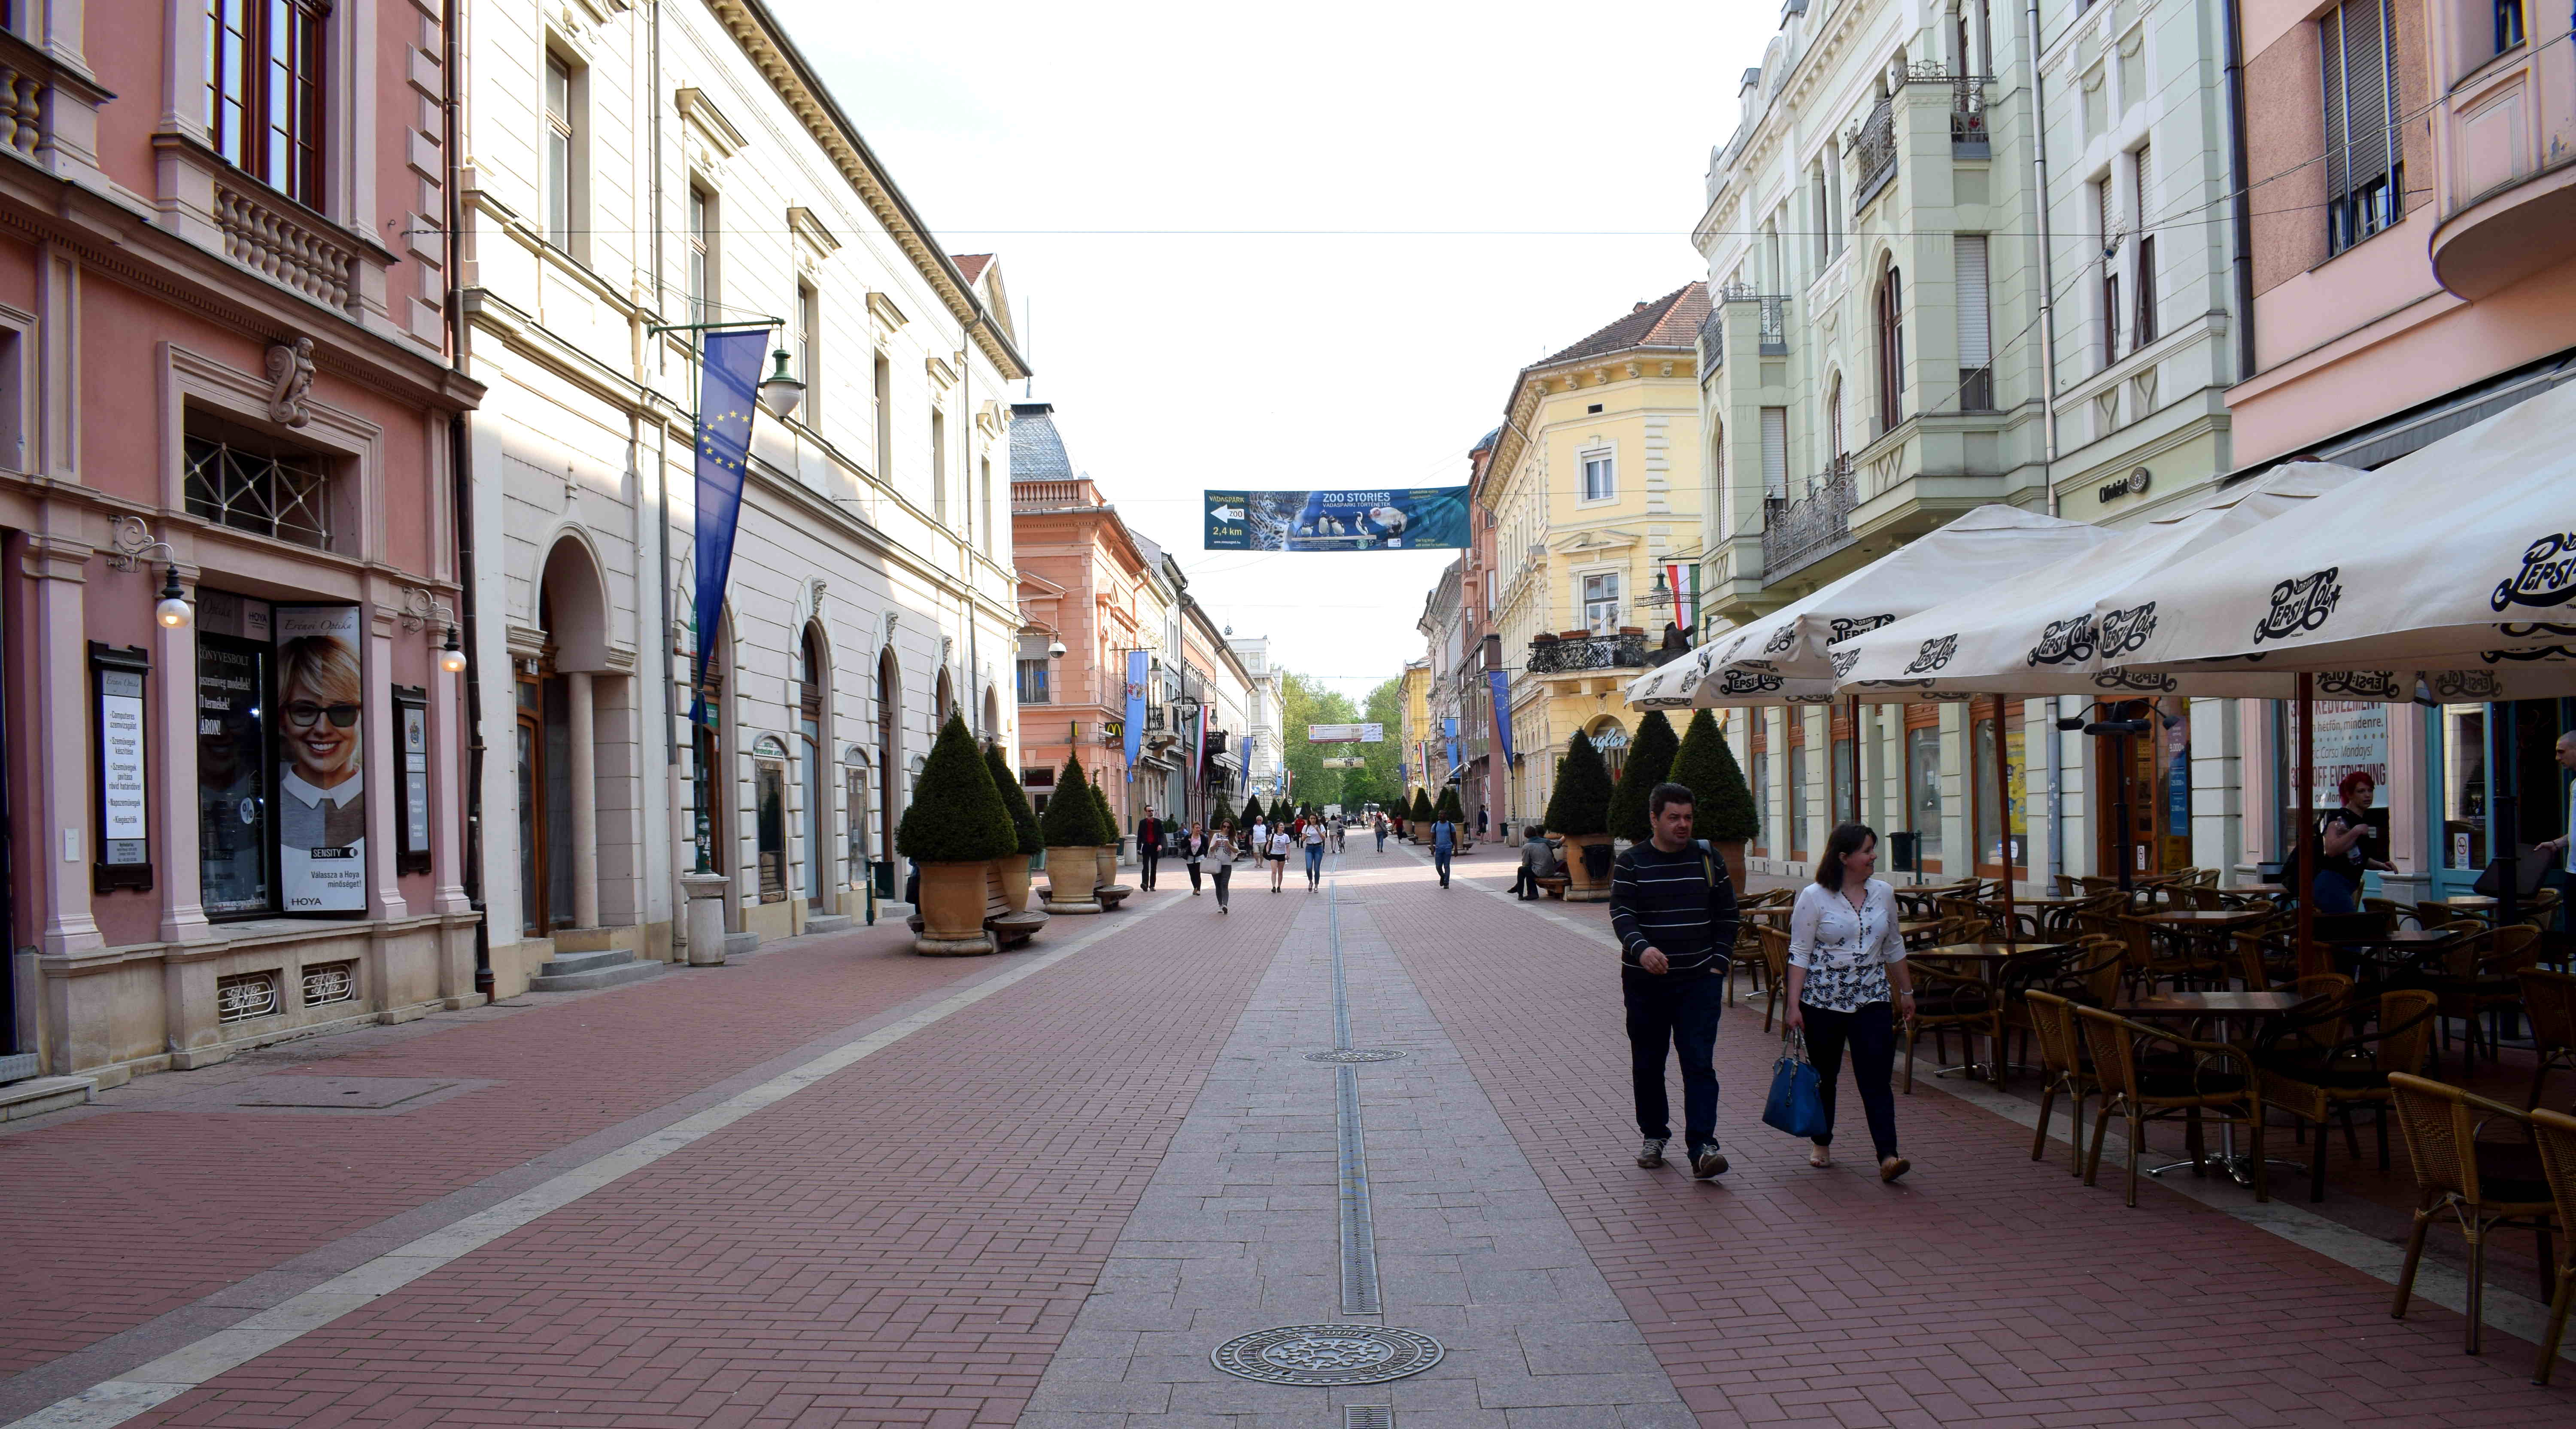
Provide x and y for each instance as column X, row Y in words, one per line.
column 322, row 814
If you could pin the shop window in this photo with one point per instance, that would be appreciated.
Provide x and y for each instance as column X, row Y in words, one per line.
column 329, row 983
column 2464, row 787
column 243, row 996
column 281, row 789
column 1797, row 795
column 264, row 91
column 770, row 794
column 1923, row 790
column 1981, row 798
column 249, row 483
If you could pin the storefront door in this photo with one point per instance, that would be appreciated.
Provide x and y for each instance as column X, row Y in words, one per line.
column 2149, row 777
column 2467, row 750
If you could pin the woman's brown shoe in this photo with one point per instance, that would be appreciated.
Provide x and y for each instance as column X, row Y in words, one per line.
column 1820, row 1156
column 1893, row 1167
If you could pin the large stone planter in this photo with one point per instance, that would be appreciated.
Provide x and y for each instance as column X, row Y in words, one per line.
column 952, row 910
column 1073, row 872
column 1732, row 850
column 1013, row 871
column 1579, row 886
column 1107, row 858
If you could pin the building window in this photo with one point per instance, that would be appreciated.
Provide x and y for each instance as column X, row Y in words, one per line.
column 1923, row 788
column 938, row 465
column 2365, row 169
column 811, row 680
column 255, row 487
column 563, row 152
column 809, row 354
column 885, row 418
column 1775, row 453
column 2107, row 226
column 701, row 255
column 984, row 501
column 1891, row 350
column 1601, row 603
column 1976, row 333
column 769, row 784
column 264, row 92
column 2142, row 326
column 2508, row 24
column 1600, row 477
column 1033, row 682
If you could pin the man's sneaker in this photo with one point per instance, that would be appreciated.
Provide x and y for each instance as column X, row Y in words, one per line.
column 1651, row 1154
column 1707, row 1162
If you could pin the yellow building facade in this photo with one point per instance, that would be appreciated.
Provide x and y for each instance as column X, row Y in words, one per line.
column 1595, row 491
column 1416, row 704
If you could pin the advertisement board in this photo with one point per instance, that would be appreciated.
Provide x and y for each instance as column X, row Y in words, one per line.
column 322, row 787
column 1418, row 518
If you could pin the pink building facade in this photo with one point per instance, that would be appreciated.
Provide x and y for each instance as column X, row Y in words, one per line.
column 224, row 335
column 2410, row 256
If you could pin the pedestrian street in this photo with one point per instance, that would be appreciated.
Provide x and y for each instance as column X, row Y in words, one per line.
column 1357, row 1156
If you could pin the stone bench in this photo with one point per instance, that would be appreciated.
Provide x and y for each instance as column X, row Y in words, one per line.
column 1112, row 894
column 1553, row 884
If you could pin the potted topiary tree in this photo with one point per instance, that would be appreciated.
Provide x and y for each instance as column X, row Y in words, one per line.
column 1105, row 860
column 956, row 826
column 1418, row 818
column 1071, row 828
column 1455, row 812
column 1014, row 868
column 1244, row 821
column 1579, row 810
column 1722, row 809
column 1650, row 762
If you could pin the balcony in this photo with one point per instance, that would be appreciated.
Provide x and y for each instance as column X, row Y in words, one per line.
column 2506, row 141
column 1054, row 495
column 1584, row 654
column 1873, row 150
column 1771, row 316
column 1968, row 136
column 1799, row 531
column 1712, row 343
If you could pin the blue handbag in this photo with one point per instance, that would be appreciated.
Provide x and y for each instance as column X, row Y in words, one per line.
column 1797, row 1102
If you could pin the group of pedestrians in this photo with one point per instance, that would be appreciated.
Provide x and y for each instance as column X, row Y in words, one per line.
column 1198, row 849
column 1672, row 905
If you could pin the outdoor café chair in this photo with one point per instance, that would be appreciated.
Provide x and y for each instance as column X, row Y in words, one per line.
column 2553, row 1135
column 2151, row 1074
column 1947, row 1001
column 2319, row 1062
column 2480, row 1186
column 2480, row 977
column 2062, row 1068
column 2549, row 1000
column 1775, row 969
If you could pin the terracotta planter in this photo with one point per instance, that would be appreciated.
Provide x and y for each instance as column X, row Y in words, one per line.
column 1072, row 873
column 1579, row 886
column 1013, row 870
column 1106, row 859
column 952, row 910
column 1732, row 850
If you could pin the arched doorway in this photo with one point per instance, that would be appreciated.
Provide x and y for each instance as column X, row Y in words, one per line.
column 889, row 745
column 1610, row 738
column 992, row 713
column 812, row 714
column 556, row 745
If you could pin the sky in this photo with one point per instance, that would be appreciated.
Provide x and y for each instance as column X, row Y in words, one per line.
column 1293, row 248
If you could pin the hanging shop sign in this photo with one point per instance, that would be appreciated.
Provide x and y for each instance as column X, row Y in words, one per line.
column 1419, row 518
column 411, row 745
column 124, row 817
column 1346, row 734
column 322, row 790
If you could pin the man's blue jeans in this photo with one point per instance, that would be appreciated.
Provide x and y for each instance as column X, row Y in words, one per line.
column 1381, row 841
column 1680, row 1016
column 1440, row 860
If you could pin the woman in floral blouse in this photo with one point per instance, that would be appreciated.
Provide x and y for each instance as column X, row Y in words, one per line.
column 1846, row 968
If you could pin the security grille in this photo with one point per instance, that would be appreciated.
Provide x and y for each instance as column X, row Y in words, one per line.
column 244, row 996
column 1368, row 1416
column 331, row 982
column 285, row 497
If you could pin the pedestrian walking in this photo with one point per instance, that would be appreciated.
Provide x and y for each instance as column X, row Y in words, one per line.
column 1193, row 851
column 2347, row 842
column 1260, row 838
column 1846, row 968
column 1444, row 845
column 1537, row 861
column 1314, row 856
column 1279, row 841
column 1380, row 824
column 1673, row 908
column 1223, row 851
column 1149, row 848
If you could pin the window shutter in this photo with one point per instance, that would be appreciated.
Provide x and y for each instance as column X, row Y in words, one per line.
column 1775, row 451
column 1976, row 340
column 2330, row 50
column 2109, row 221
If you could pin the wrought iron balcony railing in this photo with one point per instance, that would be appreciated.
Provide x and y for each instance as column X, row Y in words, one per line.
column 1799, row 530
column 1566, row 656
column 1968, row 136
column 1873, row 150
column 1712, row 342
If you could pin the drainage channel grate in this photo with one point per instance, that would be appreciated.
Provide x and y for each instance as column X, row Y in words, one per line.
column 1327, row 1355
column 1368, row 1416
column 1355, row 1054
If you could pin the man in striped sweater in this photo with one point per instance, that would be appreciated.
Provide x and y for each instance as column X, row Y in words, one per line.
column 1673, row 907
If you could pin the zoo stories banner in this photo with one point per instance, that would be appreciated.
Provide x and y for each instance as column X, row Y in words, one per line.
column 1418, row 518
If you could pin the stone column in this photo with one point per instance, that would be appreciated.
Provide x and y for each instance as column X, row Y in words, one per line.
column 58, row 756
column 174, row 769
column 585, row 801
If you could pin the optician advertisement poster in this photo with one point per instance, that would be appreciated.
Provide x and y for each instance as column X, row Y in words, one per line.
column 322, row 788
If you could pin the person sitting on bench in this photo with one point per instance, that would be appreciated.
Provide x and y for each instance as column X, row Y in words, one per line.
column 1537, row 861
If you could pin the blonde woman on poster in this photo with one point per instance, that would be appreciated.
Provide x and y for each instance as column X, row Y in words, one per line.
column 322, row 814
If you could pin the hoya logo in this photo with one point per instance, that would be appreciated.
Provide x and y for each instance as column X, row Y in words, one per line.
column 2300, row 606
column 1843, row 661
column 1846, row 626
column 2120, row 677
column 2124, row 631
column 1747, row 682
column 2064, row 642
column 1781, row 639
column 2358, row 684
column 1934, row 654
column 2547, row 577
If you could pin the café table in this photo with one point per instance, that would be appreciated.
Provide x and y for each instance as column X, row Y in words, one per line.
column 2190, row 925
column 1989, row 960
column 2477, row 904
column 2223, row 1006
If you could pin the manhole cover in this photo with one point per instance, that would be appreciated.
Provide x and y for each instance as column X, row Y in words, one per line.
column 354, row 1093
column 1327, row 1354
column 1355, row 1054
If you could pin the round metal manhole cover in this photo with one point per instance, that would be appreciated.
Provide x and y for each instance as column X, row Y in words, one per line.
column 1355, row 1054
column 1327, row 1354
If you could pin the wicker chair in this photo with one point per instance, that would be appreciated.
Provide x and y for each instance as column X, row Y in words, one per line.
column 2319, row 1063
column 2553, row 1136
column 2481, row 1186
column 2399, row 914
column 2549, row 1000
column 1946, row 1002
column 2481, row 976
column 1775, row 969
column 2062, row 1067
column 2193, row 1080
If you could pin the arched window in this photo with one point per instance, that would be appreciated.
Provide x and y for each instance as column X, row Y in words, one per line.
column 810, row 680
column 1834, row 447
column 889, row 744
column 1891, row 350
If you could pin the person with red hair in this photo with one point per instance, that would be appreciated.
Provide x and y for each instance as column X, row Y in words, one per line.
column 2345, row 847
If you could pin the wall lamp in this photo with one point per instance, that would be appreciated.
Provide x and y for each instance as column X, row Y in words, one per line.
column 133, row 545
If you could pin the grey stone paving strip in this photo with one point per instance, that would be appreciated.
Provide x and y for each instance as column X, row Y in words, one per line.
column 2505, row 1311
column 1359, row 1234
column 231, row 1332
column 1237, row 1232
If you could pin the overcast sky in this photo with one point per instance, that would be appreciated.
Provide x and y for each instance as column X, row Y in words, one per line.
column 1518, row 175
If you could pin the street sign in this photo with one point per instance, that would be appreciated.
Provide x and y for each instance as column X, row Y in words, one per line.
column 1346, row 734
column 1346, row 762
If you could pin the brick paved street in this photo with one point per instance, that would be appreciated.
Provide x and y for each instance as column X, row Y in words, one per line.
column 840, row 1184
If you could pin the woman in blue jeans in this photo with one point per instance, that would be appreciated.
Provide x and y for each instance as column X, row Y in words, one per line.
column 1849, row 986
column 2344, row 840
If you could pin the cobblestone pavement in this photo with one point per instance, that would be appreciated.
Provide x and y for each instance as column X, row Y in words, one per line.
column 840, row 1184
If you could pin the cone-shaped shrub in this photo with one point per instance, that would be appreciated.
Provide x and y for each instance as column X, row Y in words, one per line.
column 1449, row 808
column 1251, row 814
column 1109, row 831
column 1072, row 818
column 1014, row 800
column 1721, row 807
column 1279, row 810
column 957, row 816
column 1422, row 811
column 1650, row 762
column 1580, row 804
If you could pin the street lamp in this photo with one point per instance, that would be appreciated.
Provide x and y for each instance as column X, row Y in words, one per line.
column 781, row 391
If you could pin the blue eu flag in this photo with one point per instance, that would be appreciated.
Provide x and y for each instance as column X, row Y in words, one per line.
column 728, row 386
